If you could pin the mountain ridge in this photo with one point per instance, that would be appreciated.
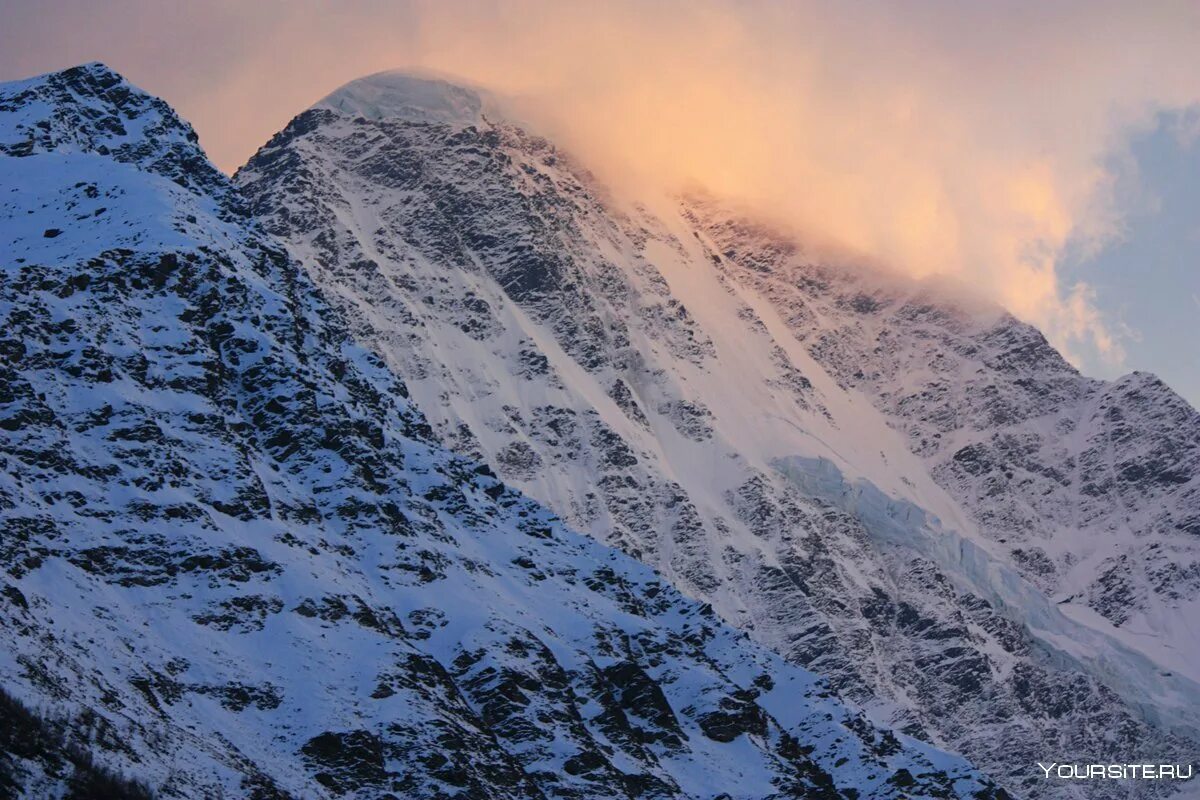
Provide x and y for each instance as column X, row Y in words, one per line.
column 586, row 353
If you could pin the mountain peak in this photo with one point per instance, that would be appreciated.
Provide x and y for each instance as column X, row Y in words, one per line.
column 397, row 94
column 93, row 85
column 93, row 109
column 89, row 77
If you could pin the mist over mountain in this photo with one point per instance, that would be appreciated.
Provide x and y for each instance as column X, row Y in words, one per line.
column 411, row 463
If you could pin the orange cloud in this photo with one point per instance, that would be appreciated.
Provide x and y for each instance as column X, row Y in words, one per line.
column 940, row 137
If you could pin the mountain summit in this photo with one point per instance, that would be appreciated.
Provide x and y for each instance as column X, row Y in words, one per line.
column 408, row 96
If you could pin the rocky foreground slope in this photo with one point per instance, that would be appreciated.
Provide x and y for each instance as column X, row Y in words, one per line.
column 234, row 560
column 844, row 465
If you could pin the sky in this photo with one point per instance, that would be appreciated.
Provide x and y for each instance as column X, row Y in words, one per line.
column 1043, row 154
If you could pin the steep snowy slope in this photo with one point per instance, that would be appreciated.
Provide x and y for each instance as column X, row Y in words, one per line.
column 1092, row 488
column 615, row 365
column 234, row 561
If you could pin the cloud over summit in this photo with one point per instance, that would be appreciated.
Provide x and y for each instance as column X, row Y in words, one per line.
column 937, row 137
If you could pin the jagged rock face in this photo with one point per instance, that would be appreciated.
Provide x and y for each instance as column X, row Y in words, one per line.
column 90, row 109
column 1092, row 487
column 235, row 562
column 470, row 215
column 644, row 380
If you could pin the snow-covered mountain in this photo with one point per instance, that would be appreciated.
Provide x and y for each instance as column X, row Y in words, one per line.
column 1091, row 488
column 871, row 477
column 235, row 562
